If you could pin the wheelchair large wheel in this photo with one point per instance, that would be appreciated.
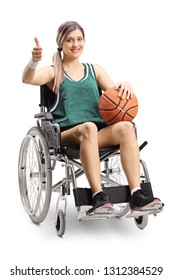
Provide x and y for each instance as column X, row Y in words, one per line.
column 116, row 173
column 35, row 175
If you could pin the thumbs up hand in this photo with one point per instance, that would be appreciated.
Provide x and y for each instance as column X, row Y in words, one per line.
column 37, row 51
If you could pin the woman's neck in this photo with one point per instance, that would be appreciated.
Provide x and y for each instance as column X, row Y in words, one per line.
column 71, row 64
column 74, row 69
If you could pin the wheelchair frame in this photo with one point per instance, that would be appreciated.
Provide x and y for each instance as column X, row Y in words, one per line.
column 40, row 150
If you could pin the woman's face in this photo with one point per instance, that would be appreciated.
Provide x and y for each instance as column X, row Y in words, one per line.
column 73, row 44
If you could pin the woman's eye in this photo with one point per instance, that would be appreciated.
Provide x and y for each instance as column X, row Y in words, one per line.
column 69, row 40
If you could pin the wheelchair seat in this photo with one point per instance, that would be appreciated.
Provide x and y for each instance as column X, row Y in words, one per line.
column 73, row 152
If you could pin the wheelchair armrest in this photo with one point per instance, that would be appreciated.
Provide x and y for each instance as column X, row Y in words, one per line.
column 44, row 115
column 51, row 133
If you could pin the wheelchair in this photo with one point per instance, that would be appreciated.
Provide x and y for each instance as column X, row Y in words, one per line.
column 39, row 152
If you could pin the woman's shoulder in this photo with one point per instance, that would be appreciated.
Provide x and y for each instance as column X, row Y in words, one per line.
column 102, row 77
column 98, row 69
column 95, row 67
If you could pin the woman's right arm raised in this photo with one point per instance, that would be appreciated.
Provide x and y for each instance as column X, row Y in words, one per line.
column 33, row 76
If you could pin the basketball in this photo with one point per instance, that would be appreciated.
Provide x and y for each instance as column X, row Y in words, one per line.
column 113, row 109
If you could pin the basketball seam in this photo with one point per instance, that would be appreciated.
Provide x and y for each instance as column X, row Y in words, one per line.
column 112, row 100
column 113, row 103
column 126, row 112
column 108, row 110
column 130, row 109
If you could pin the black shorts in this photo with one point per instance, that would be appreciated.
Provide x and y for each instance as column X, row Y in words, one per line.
column 99, row 126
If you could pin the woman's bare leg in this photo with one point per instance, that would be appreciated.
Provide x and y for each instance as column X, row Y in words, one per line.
column 123, row 134
column 86, row 136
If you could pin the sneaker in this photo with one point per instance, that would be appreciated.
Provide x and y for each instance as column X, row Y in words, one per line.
column 141, row 201
column 101, row 205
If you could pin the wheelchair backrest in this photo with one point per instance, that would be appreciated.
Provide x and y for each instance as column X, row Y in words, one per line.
column 47, row 97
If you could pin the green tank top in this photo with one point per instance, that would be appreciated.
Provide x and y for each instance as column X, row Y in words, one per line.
column 77, row 101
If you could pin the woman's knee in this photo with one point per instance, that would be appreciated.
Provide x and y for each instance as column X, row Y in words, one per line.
column 125, row 129
column 88, row 130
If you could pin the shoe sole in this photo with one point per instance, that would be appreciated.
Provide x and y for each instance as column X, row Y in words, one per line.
column 153, row 207
column 107, row 208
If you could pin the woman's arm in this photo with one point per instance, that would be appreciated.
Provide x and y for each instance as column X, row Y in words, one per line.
column 33, row 76
column 104, row 82
column 38, row 77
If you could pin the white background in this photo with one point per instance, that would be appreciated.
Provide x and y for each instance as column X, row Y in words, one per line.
column 132, row 40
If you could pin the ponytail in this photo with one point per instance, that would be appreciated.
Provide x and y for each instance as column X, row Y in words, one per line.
column 58, row 68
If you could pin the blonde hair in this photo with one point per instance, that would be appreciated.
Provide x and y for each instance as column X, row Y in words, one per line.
column 62, row 32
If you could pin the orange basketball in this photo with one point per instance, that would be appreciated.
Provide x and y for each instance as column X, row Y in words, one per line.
column 113, row 109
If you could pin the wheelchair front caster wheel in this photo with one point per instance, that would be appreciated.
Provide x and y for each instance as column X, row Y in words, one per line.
column 141, row 221
column 60, row 223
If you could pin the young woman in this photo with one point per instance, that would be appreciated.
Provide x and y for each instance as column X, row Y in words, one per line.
column 76, row 111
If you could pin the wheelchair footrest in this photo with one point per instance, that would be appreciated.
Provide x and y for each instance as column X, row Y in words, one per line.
column 137, row 214
column 116, row 194
column 83, row 215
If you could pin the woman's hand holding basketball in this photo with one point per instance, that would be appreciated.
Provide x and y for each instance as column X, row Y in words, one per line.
column 37, row 51
column 125, row 90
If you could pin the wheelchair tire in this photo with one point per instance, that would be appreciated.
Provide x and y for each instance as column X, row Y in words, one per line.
column 141, row 222
column 60, row 223
column 35, row 175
